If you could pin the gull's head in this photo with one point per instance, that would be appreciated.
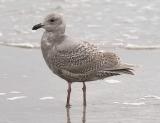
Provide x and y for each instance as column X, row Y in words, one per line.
column 52, row 23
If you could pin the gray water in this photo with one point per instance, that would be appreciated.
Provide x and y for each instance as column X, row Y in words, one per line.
column 127, row 22
column 30, row 93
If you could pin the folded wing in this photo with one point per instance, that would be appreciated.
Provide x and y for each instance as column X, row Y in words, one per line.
column 84, row 62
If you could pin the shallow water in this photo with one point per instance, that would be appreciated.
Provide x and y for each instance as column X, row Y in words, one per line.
column 30, row 93
column 127, row 23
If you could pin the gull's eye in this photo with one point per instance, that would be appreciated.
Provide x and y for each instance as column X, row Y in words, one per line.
column 52, row 20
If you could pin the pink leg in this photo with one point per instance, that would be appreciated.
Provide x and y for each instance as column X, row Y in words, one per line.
column 68, row 95
column 84, row 94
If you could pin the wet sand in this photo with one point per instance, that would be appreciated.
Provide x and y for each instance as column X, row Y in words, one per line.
column 30, row 93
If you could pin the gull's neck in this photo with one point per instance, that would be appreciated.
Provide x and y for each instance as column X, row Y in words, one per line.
column 50, row 39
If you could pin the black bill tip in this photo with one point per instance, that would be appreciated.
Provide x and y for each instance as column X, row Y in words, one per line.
column 35, row 27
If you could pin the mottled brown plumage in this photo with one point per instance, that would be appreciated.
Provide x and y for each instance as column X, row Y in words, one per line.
column 73, row 60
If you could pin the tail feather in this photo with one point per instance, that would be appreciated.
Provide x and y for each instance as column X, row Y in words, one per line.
column 127, row 66
column 123, row 71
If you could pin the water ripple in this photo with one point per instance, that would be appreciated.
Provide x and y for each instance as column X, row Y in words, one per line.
column 114, row 45
column 47, row 98
column 16, row 98
column 2, row 94
column 134, row 104
column 14, row 92
column 112, row 81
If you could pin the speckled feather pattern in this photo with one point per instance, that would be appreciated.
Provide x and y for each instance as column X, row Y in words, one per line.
column 83, row 62
column 77, row 61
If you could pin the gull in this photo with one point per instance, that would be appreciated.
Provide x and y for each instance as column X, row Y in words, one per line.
column 75, row 60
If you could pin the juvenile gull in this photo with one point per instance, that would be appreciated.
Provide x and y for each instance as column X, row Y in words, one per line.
column 76, row 61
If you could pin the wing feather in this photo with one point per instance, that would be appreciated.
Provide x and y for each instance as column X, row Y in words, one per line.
column 84, row 58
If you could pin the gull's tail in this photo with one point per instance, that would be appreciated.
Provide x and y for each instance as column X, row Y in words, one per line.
column 124, row 69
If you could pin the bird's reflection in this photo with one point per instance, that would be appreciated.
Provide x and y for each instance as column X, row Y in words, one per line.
column 68, row 115
column 83, row 115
